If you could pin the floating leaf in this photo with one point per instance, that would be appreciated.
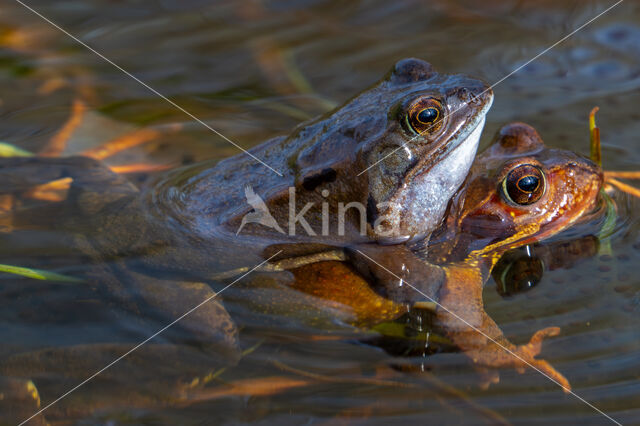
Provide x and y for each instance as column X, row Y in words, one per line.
column 8, row 150
column 37, row 274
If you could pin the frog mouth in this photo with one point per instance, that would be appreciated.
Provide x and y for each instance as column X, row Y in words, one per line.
column 467, row 133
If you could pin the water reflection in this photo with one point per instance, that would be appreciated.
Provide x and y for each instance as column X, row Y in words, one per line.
column 207, row 57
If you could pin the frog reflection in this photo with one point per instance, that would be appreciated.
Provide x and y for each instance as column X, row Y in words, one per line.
column 521, row 269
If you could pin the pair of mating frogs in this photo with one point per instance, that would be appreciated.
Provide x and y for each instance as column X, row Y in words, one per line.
column 388, row 185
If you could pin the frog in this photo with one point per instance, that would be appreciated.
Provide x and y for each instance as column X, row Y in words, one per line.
column 398, row 150
column 518, row 192
column 465, row 252
column 390, row 158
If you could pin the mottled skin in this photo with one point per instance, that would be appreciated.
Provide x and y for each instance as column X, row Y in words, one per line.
column 363, row 152
column 366, row 151
column 481, row 225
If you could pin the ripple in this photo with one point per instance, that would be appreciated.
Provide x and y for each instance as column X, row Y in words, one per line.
column 601, row 62
column 623, row 37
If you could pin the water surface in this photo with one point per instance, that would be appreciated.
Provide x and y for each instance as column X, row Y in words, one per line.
column 254, row 69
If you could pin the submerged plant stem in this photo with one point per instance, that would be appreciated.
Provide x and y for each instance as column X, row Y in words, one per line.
column 594, row 132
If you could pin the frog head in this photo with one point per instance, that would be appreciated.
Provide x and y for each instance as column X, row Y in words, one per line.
column 426, row 150
column 402, row 148
column 519, row 191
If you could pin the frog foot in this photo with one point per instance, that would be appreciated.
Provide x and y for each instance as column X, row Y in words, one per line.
column 522, row 356
column 530, row 350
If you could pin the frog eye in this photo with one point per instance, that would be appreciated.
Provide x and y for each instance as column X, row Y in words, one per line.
column 425, row 115
column 524, row 185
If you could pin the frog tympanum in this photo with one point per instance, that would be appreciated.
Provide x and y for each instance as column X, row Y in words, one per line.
column 517, row 192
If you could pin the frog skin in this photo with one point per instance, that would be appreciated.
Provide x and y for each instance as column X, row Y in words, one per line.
column 368, row 152
column 407, row 141
column 490, row 215
column 375, row 149
column 479, row 228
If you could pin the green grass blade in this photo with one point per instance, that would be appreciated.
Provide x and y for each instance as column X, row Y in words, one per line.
column 37, row 274
column 8, row 150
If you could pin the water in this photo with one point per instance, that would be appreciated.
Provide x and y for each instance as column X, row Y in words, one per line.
column 255, row 69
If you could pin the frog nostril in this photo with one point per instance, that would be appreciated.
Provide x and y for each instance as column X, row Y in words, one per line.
column 464, row 93
column 469, row 96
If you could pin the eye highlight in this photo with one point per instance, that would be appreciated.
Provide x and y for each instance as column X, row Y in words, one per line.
column 524, row 185
column 425, row 115
column 428, row 115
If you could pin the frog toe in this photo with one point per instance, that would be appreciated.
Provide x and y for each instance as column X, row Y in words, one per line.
column 551, row 373
column 534, row 346
column 527, row 353
column 488, row 377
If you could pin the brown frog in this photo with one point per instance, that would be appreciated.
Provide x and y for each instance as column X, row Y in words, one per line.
column 380, row 168
column 494, row 211
column 517, row 192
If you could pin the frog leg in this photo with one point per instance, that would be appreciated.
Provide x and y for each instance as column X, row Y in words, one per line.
column 284, row 264
column 207, row 323
column 462, row 316
column 460, row 310
column 397, row 273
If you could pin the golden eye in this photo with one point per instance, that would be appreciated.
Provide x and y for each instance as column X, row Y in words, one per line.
column 524, row 185
column 425, row 115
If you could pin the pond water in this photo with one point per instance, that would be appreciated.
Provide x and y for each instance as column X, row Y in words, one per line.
column 253, row 70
